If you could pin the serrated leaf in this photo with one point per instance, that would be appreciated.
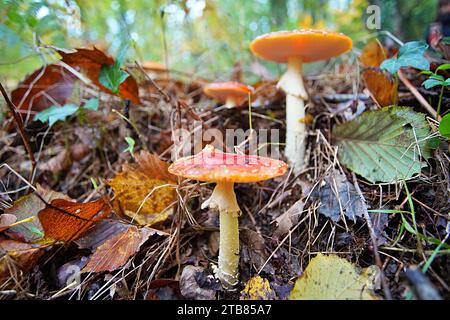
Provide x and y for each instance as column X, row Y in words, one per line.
column 329, row 277
column 384, row 145
column 444, row 126
column 55, row 113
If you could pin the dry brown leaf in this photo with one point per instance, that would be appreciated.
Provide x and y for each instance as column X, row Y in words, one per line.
column 288, row 219
column 115, row 252
column 66, row 221
column 90, row 61
column 141, row 192
column 19, row 254
column 373, row 54
column 28, row 207
column 6, row 220
column 43, row 88
column 380, row 86
column 63, row 160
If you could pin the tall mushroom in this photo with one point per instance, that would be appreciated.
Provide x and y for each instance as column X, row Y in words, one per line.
column 225, row 169
column 231, row 93
column 295, row 48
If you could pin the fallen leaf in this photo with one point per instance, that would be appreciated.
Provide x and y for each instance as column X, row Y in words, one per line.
column 90, row 62
column 139, row 192
column 289, row 218
column 66, row 221
column 43, row 88
column 329, row 277
column 20, row 254
column 384, row 145
column 380, row 221
column 6, row 220
column 380, row 85
column 28, row 207
column 64, row 160
column 337, row 195
column 196, row 283
column 70, row 271
column 257, row 288
column 373, row 54
column 115, row 252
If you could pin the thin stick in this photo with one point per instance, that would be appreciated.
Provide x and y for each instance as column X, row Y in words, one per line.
column 373, row 237
column 20, row 127
column 418, row 96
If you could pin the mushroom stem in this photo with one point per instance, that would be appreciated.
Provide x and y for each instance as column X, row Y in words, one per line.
column 230, row 102
column 292, row 84
column 224, row 199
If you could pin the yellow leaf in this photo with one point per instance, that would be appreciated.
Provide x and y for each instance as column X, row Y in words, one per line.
column 329, row 277
column 144, row 190
column 257, row 288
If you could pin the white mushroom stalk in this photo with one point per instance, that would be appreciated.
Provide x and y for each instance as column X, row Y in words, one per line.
column 230, row 102
column 292, row 84
column 223, row 198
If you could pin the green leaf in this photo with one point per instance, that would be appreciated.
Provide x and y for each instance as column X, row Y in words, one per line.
column 91, row 104
column 384, row 145
column 329, row 277
column 130, row 141
column 409, row 55
column 444, row 66
column 55, row 113
column 444, row 126
column 430, row 83
column 112, row 76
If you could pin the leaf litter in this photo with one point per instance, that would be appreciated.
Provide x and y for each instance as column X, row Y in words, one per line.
column 275, row 239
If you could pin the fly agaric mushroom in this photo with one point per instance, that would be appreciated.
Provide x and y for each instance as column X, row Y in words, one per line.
column 231, row 93
column 295, row 48
column 225, row 169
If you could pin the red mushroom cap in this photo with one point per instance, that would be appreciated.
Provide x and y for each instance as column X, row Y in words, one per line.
column 306, row 44
column 216, row 166
column 224, row 90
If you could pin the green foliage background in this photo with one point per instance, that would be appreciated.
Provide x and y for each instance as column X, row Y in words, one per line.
column 203, row 36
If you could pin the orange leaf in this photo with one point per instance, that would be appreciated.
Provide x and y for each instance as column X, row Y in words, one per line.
column 27, row 207
column 42, row 88
column 380, row 86
column 90, row 61
column 115, row 252
column 66, row 221
column 141, row 192
column 373, row 54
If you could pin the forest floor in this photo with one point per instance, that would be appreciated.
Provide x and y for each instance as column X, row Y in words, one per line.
column 283, row 223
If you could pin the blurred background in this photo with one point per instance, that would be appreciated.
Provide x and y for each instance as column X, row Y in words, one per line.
column 205, row 37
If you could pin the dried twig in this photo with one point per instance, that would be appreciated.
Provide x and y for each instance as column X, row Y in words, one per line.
column 19, row 123
column 418, row 96
column 387, row 292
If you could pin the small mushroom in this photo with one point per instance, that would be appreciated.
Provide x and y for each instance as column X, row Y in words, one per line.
column 231, row 93
column 295, row 48
column 225, row 169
